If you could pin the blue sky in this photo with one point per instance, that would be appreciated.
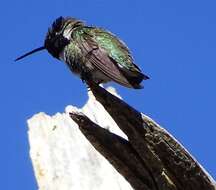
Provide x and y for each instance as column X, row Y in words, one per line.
column 172, row 41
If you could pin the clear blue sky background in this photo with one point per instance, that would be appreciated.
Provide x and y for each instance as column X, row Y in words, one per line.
column 172, row 41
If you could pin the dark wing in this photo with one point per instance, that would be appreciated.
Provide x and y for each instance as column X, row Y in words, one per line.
column 100, row 58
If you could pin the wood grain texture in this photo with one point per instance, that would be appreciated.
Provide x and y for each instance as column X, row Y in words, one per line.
column 151, row 158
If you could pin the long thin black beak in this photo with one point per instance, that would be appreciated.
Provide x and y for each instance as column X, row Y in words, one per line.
column 31, row 52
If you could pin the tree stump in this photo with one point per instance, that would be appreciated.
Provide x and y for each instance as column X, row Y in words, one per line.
column 148, row 157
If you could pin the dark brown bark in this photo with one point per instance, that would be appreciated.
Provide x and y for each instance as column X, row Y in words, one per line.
column 151, row 159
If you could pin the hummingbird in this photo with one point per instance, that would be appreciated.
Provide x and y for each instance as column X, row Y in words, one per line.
column 92, row 53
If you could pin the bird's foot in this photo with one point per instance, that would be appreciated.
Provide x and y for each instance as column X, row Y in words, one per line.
column 85, row 76
column 88, row 88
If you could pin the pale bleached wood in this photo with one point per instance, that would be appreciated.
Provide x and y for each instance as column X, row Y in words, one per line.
column 62, row 157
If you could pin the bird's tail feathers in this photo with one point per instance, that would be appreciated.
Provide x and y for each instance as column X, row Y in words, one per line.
column 135, row 78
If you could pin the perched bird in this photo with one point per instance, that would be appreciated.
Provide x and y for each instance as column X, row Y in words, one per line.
column 92, row 53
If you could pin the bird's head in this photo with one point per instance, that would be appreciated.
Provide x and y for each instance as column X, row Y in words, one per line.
column 57, row 37
column 59, row 34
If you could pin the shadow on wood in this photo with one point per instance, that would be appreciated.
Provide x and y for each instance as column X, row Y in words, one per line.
column 151, row 159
